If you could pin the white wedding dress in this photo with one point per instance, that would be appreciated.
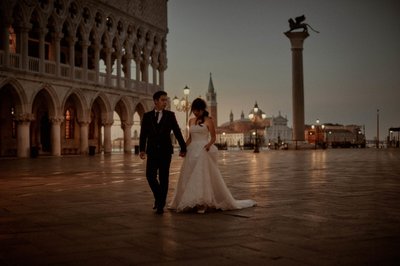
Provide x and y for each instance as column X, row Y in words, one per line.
column 200, row 182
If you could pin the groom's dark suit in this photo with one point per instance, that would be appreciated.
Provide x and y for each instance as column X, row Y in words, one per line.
column 155, row 140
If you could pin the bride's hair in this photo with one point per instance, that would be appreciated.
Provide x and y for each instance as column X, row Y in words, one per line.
column 200, row 105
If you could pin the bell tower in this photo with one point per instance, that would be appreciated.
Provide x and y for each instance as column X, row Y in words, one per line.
column 212, row 101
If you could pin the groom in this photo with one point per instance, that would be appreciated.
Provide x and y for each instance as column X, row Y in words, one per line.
column 155, row 140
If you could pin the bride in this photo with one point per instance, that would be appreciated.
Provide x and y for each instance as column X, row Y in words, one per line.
column 200, row 185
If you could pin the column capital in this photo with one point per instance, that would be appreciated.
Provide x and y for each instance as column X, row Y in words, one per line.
column 71, row 40
column 84, row 122
column 129, row 55
column 43, row 31
column 297, row 39
column 125, row 125
column 56, row 120
column 24, row 26
column 58, row 36
column 106, row 122
column 24, row 118
column 85, row 44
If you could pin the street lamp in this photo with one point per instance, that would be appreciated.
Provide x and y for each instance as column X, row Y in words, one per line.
column 317, row 127
column 256, row 116
column 183, row 105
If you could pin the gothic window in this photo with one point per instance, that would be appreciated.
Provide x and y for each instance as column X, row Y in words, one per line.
column 44, row 4
column 109, row 23
column 59, row 6
column 73, row 10
column 69, row 124
column 86, row 15
column 120, row 28
column 99, row 20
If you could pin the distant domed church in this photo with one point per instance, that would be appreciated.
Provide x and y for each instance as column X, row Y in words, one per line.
column 244, row 132
column 278, row 132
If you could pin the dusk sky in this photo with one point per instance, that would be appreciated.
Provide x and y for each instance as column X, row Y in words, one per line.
column 351, row 68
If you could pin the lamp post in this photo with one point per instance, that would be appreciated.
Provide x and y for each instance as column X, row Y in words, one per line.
column 220, row 138
column 183, row 105
column 256, row 116
column 317, row 127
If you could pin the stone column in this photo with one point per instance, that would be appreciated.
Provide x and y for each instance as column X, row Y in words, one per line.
column 138, row 72
column 137, row 59
column 56, row 135
column 71, row 42
column 5, row 35
column 119, row 68
column 107, row 137
column 85, row 45
column 84, row 125
column 23, row 44
column 23, row 137
column 296, row 40
column 145, row 68
column 42, row 35
column 161, row 68
column 127, row 71
column 57, row 39
column 154, row 66
column 108, row 65
column 127, row 137
column 97, row 49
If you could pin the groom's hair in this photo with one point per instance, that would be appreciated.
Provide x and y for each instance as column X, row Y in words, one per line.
column 158, row 94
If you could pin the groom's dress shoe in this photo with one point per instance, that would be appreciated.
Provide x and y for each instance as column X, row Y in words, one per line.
column 160, row 211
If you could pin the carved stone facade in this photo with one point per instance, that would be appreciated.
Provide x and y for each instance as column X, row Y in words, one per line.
column 278, row 131
column 67, row 65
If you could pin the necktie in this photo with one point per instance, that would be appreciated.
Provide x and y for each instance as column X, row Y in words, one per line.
column 157, row 116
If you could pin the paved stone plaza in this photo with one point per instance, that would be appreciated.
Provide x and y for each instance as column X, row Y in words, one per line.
column 315, row 207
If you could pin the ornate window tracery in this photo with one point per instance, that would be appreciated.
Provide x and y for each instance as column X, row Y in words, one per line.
column 69, row 124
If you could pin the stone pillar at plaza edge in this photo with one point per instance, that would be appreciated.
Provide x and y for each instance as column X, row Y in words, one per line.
column 296, row 40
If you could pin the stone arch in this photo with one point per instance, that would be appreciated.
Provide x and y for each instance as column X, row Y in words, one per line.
column 74, row 11
column 137, row 116
column 99, row 21
column 43, row 109
column 105, row 105
column 12, row 103
column 79, row 100
column 45, row 6
column 122, row 107
column 74, row 112
column 87, row 17
column 51, row 99
column 21, row 14
column 60, row 8
column 121, row 29
column 122, row 125
column 140, row 108
column 111, row 24
column 100, row 116
column 18, row 93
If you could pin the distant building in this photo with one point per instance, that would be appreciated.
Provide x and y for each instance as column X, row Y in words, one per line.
column 278, row 132
column 335, row 135
column 240, row 132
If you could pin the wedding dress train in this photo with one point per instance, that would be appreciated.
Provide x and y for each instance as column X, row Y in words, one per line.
column 200, row 181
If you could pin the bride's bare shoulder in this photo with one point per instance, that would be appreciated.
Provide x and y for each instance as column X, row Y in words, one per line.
column 208, row 119
column 192, row 121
